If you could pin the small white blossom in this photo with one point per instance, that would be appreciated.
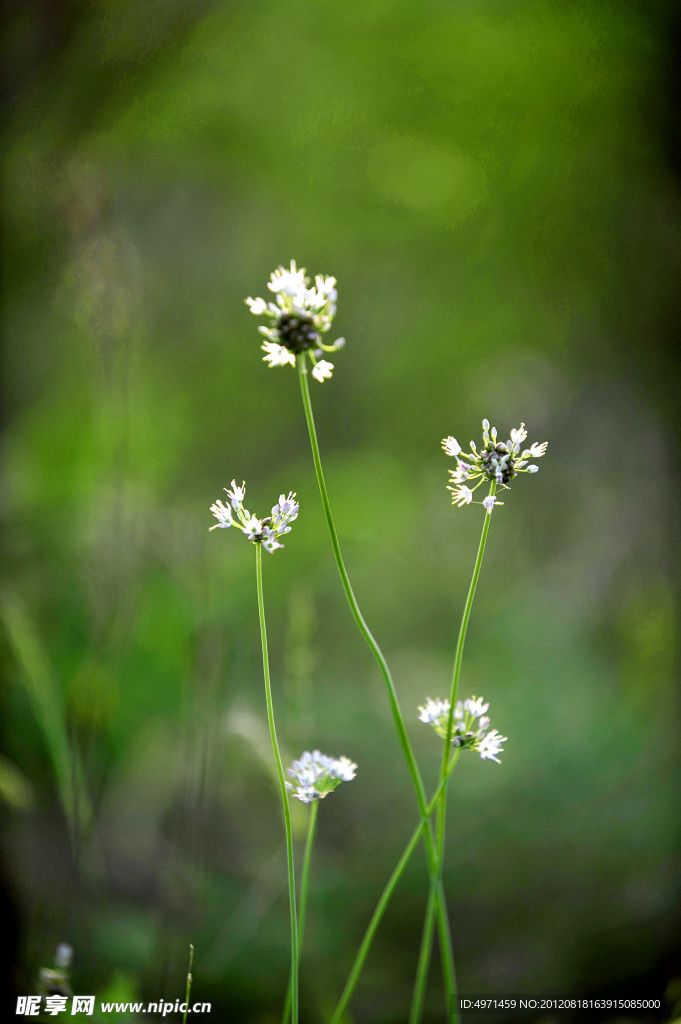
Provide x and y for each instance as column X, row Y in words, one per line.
column 286, row 509
column 223, row 514
column 63, row 956
column 237, row 494
column 326, row 286
column 316, row 775
column 343, row 769
column 459, row 474
column 269, row 540
column 518, row 435
column 267, row 531
column 466, row 732
column 322, row 370
column 277, row 355
column 451, row 446
column 537, row 450
column 298, row 319
column 490, row 745
column 497, row 462
column 461, row 495
column 253, row 527
column 475, row 706
column 288, row 281
column 490, row 501
column 433, row 710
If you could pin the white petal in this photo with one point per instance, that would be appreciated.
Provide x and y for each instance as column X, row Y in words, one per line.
column 257, row 306
column 322, row 370
column 451, row 446
column 537, row 450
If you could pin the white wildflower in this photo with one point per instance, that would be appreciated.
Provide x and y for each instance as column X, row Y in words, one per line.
column 451, row 446
column 322, row 370
column 316, row 775
column 490, row 501
column 433, row 710
column 288, row 281
column 253, row 527
column 475, row 706
column 267, row 531
column 461, row 495
column 497, row 462
column 490, row 745
column 537, row 450
column 257, row 306
column 470, row 725
column 343, row 769
column 518, row 435
column 298, row 319
column 277, row 355
column 223, row 514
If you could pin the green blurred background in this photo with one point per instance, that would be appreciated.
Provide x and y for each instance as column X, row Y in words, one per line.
column 496, row 188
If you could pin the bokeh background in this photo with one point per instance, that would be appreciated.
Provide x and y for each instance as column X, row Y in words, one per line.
column 496, row 188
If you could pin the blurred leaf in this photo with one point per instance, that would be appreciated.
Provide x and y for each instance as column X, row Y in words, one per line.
column 15, row 788
column 48, row 712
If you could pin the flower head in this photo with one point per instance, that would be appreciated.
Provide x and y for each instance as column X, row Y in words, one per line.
column 469, row 725
column 315, row 775
column 497, row 462
column 265, row 531
column 298, row 319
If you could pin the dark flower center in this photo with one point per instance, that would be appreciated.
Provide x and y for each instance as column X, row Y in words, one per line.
column 297, row 333
column 491, row 456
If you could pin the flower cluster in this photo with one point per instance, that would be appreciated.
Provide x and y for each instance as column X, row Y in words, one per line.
column 265, row 531
column 54, row 981
column 470, row 726
column 317, row 775
column 497, row 462
column 298, row 319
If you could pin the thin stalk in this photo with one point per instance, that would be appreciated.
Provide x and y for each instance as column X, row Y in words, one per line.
column 424, row 956
column 431, row 849
column 189, row 982
column 427, row 937
column 386, row 895
column 302, row 899
column 305, row 876
column 284, row 794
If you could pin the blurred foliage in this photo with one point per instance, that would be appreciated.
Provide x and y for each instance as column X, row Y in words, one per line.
column 495, row 186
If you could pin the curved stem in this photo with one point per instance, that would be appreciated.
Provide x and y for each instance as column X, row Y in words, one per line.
column 431, row 850
column 389, row 889
column 427, row 937
column 282, row 785
column 302, row 902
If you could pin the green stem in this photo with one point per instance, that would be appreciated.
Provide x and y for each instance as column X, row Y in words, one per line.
column 390, row 887
column 189, row 982
column 424, row 956
column 302, row 903
column 284, row 794
column 431, row 849
column 305, row 877
column 427, row 937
